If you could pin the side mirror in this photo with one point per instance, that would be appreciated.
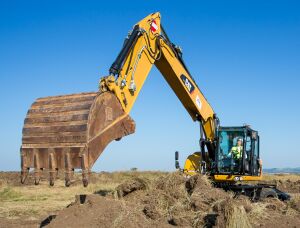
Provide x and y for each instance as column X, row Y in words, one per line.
column 177, row 166
column 176, row 156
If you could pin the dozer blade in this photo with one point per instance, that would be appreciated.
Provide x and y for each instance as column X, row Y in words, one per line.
column 70, row 132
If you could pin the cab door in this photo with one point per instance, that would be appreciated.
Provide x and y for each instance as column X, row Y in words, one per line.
column 255, row 157
column 248, row 153
column 251, row 155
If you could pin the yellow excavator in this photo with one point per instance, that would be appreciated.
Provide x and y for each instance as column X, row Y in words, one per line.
column 70, row 132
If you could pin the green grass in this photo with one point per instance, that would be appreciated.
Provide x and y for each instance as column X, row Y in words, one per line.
column 8, row 194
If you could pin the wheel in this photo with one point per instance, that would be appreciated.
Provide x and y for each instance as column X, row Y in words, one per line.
column 51, row 183
column 267, row 193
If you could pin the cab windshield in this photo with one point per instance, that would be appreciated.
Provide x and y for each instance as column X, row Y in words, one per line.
column 230, row 151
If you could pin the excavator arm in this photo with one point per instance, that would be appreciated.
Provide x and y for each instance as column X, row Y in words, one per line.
column 148, row 45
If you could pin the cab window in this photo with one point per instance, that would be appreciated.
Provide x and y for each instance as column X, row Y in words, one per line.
column 226, row 161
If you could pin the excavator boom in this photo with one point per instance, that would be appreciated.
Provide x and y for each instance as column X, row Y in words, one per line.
column 148, row 45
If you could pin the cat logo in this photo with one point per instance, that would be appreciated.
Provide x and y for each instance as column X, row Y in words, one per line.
column 188, row 84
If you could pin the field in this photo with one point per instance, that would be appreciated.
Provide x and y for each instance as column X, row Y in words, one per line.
column 142, row 199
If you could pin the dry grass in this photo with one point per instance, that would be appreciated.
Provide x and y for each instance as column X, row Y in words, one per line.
column 282, row 177
column 236, row 217
column 33, row 200
column 294, row 203
column 258, row 213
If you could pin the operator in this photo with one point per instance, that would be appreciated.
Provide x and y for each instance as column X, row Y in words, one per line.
column 237, row 150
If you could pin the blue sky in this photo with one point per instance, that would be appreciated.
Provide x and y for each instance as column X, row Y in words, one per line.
column 244, row 55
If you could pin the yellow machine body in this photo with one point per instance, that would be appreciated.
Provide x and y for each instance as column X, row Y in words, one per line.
column 192, row 164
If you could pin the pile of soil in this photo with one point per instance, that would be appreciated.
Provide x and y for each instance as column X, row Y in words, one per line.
column 99, row 211
column 169, row 200
column 130, row 186
column 174, row 201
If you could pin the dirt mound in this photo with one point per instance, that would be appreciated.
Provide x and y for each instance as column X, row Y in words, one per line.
column 130, row 186
column 174, row 200
column 98, row 211
column 273, row 204
column 138, row 203
column 231, row 214
column 203, row 194
column 165, row 200
column 272, row 212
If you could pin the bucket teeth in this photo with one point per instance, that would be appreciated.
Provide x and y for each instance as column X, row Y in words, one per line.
column 24, row 175
column 24, row 169
column 85, row 170
column 37, row 169
column 67, row 167
column 52, row 168
column 70, row 132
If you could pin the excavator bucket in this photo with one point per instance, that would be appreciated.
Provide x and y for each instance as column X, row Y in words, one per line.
column 70, row 132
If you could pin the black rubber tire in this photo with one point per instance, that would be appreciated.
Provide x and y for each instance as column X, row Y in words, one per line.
column 267, row 193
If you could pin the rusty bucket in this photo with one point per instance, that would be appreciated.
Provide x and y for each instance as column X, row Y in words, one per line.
column 70, row 132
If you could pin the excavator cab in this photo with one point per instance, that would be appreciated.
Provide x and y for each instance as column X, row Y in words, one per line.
column 237, row 154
